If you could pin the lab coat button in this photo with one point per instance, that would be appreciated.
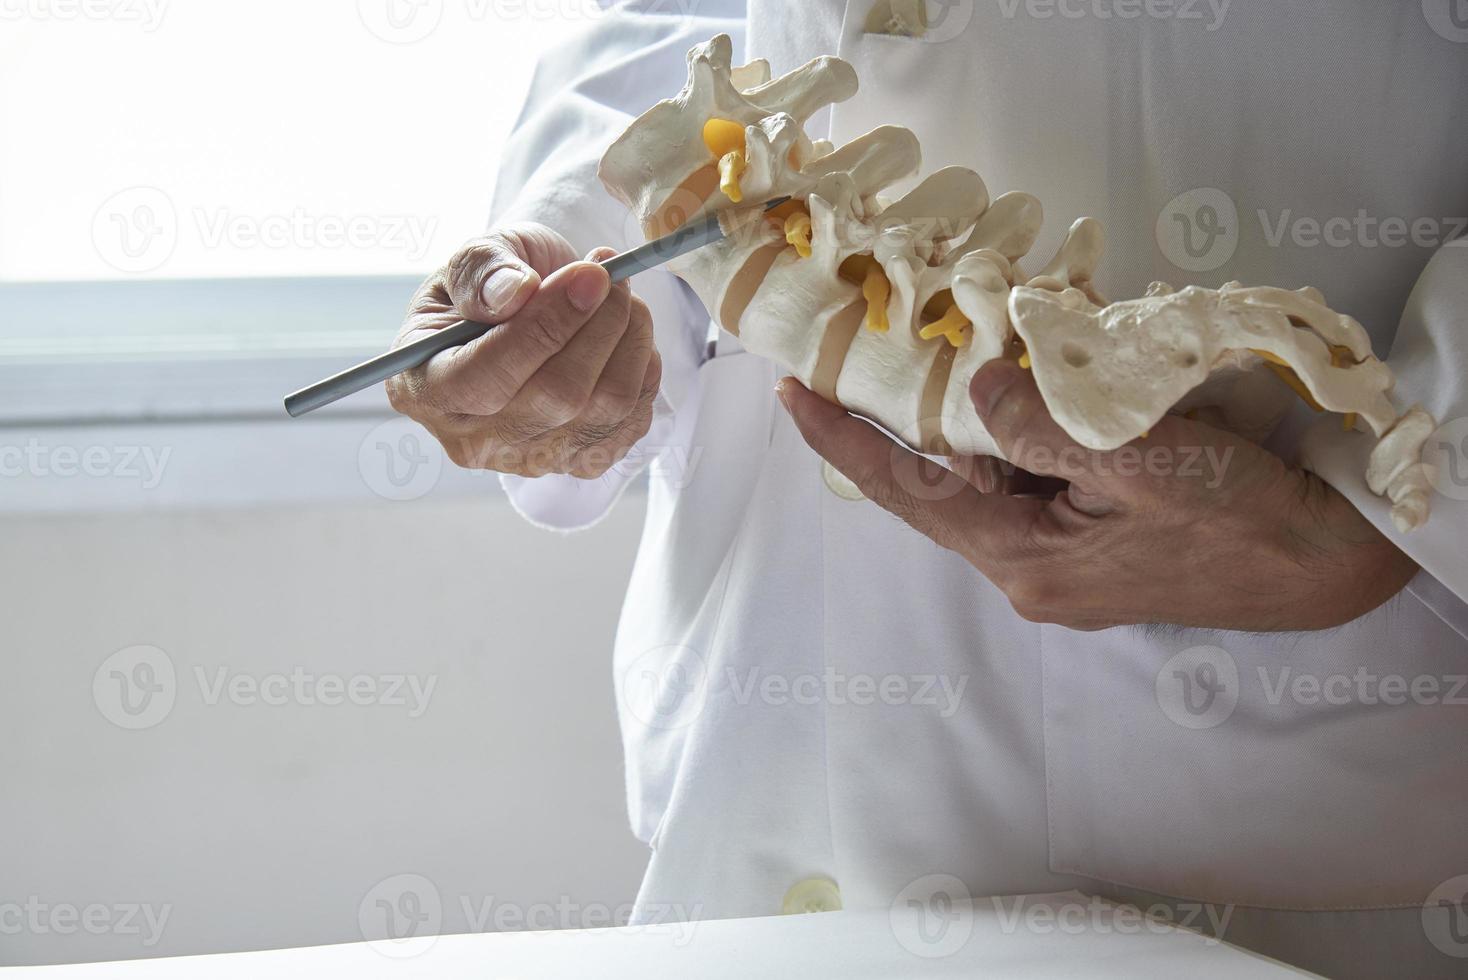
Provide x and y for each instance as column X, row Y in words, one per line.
column 812, row 895
column 837, row 483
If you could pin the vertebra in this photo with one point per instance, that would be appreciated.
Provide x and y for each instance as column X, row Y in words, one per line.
column 890, row 308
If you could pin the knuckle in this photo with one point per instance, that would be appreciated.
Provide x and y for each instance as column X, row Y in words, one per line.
column 410, row 394
column 464, row 453
column 589, row 435
column 397, row 395
column 559, row 399
column 612, row 401
column 639, row 318
column 652, row 382
column 428, row 298
column 544, row 329
column 594, row 461
column 495, row 387
column 474, row 258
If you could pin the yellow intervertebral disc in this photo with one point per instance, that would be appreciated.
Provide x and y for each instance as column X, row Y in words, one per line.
column 725, row 140
column 723, row 136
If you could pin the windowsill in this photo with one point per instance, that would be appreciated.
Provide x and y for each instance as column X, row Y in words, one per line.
column 120, row 396
column 226, row 463
column 147, row 350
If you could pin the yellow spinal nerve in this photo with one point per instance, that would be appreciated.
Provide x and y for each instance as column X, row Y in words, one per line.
column 952, row 324
column 797, row 233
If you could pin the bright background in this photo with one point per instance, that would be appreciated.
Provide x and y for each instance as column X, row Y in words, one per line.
column 228, row 116
column 144, row 152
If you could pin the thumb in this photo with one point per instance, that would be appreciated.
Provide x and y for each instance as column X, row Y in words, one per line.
column 1013, row 411
column 490, row 279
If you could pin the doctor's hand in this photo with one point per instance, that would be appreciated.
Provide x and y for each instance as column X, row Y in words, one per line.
column 1192, row 525
column 564, row 384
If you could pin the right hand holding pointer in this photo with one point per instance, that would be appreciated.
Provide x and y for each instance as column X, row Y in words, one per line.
column 564, row 384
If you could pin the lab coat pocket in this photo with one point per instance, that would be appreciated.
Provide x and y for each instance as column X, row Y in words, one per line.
column 1293, row 771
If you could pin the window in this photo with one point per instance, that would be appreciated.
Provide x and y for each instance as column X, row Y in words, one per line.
column 207, row 203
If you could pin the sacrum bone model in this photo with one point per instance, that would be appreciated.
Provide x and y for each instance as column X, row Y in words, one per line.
column 890, row 308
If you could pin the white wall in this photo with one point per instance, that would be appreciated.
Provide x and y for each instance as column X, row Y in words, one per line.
column 255, row 825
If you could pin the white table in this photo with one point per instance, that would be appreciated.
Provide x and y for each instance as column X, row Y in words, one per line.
column 1065, row 935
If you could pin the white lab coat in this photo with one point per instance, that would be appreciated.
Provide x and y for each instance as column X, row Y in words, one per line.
column 766, row 613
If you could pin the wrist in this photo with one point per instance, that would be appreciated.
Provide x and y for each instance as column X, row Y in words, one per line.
column 1349, row 566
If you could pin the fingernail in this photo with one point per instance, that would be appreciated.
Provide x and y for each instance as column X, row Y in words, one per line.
column 587, row 288
column 599, row 253
column 990, row 383
column 501, row 287
column 782, row 392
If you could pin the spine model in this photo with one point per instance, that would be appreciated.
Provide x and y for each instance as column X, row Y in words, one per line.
column 889, row 307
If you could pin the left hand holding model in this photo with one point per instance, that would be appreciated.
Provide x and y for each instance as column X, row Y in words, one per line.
column 1192, row 525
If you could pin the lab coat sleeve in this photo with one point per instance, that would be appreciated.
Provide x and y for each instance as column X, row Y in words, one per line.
column 584, row 94
column 1429, row 357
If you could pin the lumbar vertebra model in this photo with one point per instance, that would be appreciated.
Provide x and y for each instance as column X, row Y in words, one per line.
column 890, row 307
